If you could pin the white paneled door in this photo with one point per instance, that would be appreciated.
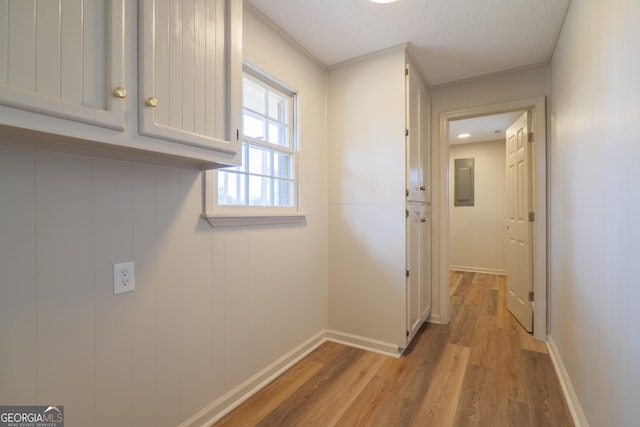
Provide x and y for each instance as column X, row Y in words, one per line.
column 519, row 223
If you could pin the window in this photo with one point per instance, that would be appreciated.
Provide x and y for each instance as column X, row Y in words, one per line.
column 266, row 182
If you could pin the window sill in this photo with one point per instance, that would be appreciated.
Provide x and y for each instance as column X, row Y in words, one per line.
column 222, row 221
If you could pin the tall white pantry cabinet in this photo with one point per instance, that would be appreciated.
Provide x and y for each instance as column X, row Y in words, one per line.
column 154, row 77
column 379, row 245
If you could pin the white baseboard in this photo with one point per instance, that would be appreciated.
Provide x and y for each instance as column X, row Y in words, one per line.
column 434, row 318
column 229, row 401
column 579, row 419
column 478, row 270
column 364, row 343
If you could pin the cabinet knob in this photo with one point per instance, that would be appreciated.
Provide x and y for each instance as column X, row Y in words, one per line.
column 423, row 219
column 120, row 92
column 423, row 188
column 151, row 102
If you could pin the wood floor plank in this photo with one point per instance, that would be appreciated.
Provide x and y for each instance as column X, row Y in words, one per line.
column 511, row 412
column 463, row 326
column 412, row 385
column 491, row 302
column 365, row 409
column 502, row 314
column 475, row 295
column 327, row 352
column 454, row 281
column 484, row 342
column 438, row 408
column 267, row 399
column 544, row 396
column 295, row 409
column 493, row 281
column 479, row 279
column 509, row 378
column 477, row 402
column 343, row 391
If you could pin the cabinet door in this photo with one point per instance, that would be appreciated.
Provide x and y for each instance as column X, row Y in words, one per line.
column 415, row 192
column 425, row 266
column 64, row 58
column 190, row 72
column 425, row 145
column 414, row 268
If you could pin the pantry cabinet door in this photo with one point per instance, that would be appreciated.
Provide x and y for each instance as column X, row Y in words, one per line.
column 425, row 265
column 190, row 72
column 415, row 261
column 415, row 168
column 64, row 59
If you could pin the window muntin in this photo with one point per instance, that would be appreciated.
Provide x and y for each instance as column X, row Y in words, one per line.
column 267, row 176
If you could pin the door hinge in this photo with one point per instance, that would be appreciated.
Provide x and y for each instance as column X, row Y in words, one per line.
column 237, row 134
column 531, row 296
column 406, row 192
column 406, row 71
column 532, row 216
column 407, row 273
column 407, row 334
column 530, row 136
column 406, row 132
column 407, row 213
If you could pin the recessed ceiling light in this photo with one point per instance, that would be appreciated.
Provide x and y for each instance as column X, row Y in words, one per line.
column 383, row 1
column 464, row 135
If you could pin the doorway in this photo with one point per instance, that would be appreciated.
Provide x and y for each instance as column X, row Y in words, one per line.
column 539, row 161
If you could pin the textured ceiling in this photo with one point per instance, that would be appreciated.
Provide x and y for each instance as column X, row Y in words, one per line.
column 452, row 39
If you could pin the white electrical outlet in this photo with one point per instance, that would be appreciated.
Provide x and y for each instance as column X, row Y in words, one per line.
column 124, row 277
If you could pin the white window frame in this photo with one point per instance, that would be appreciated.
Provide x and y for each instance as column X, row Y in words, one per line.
column 239, row 215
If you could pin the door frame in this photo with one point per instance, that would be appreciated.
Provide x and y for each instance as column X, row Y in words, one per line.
column 537, row 106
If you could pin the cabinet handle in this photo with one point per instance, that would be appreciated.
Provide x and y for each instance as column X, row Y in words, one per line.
column 120, row 92
column 423, row 219
column 151, row 102
column 423, row 188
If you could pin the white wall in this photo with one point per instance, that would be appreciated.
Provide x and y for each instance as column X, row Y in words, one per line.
column 366, row 182
column 211, row 307
column 471, row 94
column 595, row 235
column 477, row 234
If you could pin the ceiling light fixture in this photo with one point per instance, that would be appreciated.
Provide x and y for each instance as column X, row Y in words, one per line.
column 382, row 1
column 464, row 135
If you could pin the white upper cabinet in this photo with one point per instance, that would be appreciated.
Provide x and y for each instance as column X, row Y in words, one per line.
column 74, row 72
column 417, row 135
column 64, row 59
column 190, row 71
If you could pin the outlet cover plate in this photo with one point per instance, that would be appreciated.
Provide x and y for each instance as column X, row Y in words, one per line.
column 124, row 277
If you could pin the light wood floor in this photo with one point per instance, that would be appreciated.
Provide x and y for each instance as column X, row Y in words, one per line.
column 482, row 369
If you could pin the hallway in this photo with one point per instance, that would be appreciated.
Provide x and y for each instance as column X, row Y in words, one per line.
column 483, row 369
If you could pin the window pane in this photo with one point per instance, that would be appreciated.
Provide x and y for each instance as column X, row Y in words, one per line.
column 253, row 96
column 253, row 126
column 283, row 193
column 283, row 165
column 259, row 191
column 278, row 108
column 278, row 135
column 231, row 188
column 259, row 160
